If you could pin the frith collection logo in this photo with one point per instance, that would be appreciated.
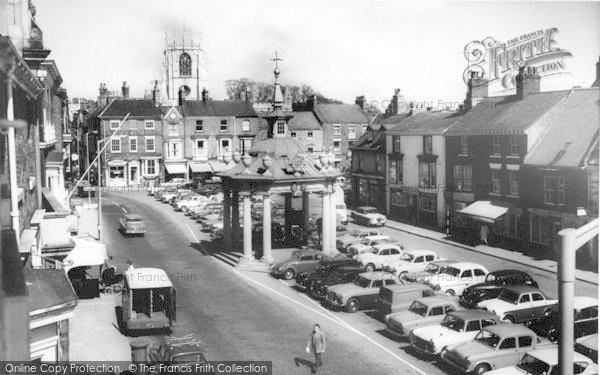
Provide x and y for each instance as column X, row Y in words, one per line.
column 495, row 61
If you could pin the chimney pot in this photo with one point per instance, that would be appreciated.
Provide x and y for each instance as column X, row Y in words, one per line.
column 360, row 101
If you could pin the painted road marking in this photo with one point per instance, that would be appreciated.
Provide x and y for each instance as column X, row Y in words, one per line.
column 350, row 328
column 192, row 232
column 113, row 202
column 124, row 210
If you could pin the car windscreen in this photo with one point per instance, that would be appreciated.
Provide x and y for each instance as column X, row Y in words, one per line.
column 365, row 241
column 453, row 323
column 487, row 338
column 508, row 296
column 432, row 268
column 134, row 220
column 370, row 211
column 490, row 277
column 451, row 271
column 355, row 233
column 363, row 282
column 374, row 250
column 533, row 365
column 418, row 308
column 407, row 257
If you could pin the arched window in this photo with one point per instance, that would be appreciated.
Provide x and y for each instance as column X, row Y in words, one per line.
column 185, row 65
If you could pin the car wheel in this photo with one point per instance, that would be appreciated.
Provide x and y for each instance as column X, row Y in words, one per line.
column 481, row 369
column 402, row 275
column 451, row 292
column 288, row 274
column 509, row 318
column 352, row 305
column 370, row 267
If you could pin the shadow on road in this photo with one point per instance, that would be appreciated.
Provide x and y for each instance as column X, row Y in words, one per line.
column 304, row 362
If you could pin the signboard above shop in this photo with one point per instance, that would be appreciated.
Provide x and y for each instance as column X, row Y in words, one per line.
column 499, row 62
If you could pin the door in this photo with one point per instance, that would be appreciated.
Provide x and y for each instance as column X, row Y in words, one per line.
column 133, row 175
column 368, row 300
column 171, row 307
column 125, row 303
column 525, row 308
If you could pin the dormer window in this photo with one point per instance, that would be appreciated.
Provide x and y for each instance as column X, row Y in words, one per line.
column 280, row 127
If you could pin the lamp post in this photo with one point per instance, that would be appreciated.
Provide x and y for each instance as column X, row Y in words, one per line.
column 98, row 142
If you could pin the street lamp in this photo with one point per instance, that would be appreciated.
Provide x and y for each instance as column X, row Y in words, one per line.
column 99, row 141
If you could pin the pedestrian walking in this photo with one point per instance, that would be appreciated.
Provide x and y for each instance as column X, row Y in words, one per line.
column 130, row 267
column 316, row 343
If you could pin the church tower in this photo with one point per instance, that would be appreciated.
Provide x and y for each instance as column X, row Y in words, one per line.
column 184, row 73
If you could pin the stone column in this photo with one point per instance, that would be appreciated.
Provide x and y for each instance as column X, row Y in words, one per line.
column 267, row 258
column 247, row 226
column 325, row 223
column 305, row 214
column 227, row 219
column 288, row 217
column 333, row 217
column 235, row 217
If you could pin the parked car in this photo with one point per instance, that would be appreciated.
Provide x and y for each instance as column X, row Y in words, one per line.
column 361, row 293
column 544, row 361
column 519, row 304
column 367, row 243
column 494, row 282
column 132, row 224
column 432, row 269
column 424, row 311
column 457, row 327
column 317, row 287
column 300, row 261
column 325, row 269
column 588, row 346
column 378, row 255
column 456, row 277
column 495, row 346
column 190, row 201
column 353, row 237
column 398, row 297
column 367, row 215
column 182, row 194
column 341, row 213
column 167, row 196
column 411, row 261
column 586, row 320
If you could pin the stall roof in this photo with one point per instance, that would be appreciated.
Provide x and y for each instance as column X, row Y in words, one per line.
column 48, row 288
column 146, row 278
column 85, row 253
column 484, row 211
column 200, row 167
column 176, row 168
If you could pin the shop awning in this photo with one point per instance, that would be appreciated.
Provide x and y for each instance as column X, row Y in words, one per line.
column 200, row 167
column 54, row 235
column 484, row 211
column 27, row 240
column 175, row 168
column 218, row 166
column 50, row 296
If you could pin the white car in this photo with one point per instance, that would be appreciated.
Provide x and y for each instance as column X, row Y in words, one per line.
column 411, row 261
column 378, row 255
column 191, row 201
column 365, row 244
column 519, row 304
column 457, row 327
column 544, row 361
column 455, row 277
column 367, row 215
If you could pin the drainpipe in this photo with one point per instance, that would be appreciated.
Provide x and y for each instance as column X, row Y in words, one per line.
column 38, row 164
column 12, row 162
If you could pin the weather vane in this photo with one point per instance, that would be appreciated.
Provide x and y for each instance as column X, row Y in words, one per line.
column 276, row 59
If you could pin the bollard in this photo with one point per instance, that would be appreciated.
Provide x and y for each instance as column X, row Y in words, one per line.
column 139, row 351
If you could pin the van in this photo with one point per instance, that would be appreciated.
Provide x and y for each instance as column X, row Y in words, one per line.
column 395, row 298
column 341, row 213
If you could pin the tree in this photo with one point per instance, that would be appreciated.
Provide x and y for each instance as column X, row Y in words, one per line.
column 237, row 89
column 262, row 92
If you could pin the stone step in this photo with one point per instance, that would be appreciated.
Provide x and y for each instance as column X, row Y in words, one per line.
column 227, row 260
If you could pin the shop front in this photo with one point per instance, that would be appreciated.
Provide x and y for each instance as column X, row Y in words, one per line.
column 200, row 171
column 480, row 223
column 116, row 173
column 176, row 170
column 371, row 191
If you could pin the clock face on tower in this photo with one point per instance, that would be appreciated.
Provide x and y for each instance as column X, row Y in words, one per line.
column 172, row 116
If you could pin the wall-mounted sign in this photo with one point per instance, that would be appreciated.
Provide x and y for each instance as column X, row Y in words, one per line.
column 495, row 61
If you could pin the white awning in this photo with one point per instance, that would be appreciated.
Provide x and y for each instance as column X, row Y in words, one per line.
column 176, row 168
column 200, row 167
column 218, row 166
column 484, row 211
column 54, row 234
column 85, row 253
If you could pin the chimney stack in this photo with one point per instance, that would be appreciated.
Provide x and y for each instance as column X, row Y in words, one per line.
column 312, row 102
column 477, row 91
column 102, row 90
column 204, row 95
column 526, row 84
column 156, row 93
column 125, row 90
column 360, row 101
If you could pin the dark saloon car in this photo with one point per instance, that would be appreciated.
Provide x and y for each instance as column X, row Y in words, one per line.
column 494, row 282
column 325, row 267
column 306, row 260
column 317, row 286
column 586, row 320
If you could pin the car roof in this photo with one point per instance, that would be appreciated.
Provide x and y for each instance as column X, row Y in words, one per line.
column 144, row 278
column 509, row 272
column 473, row 314
column 467, row 265
column 366, row 208
column 377, row 275
column 307, row 251
column 589, row 341
column 508, row 329
column 523, row 289
column 386, row 245
column 133, row 216
column 444, row 262
column 549, row 355
column 418, row 252
column 436, row 299
column 581, row 302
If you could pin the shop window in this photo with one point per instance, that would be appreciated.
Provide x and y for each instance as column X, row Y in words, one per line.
column 427, row 174
column 399, row 198
column 427, row 203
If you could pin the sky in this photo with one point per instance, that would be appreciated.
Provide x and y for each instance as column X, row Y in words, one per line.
column 340, row 48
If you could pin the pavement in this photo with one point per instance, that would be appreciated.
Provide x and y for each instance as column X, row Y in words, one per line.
column 497, row 252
